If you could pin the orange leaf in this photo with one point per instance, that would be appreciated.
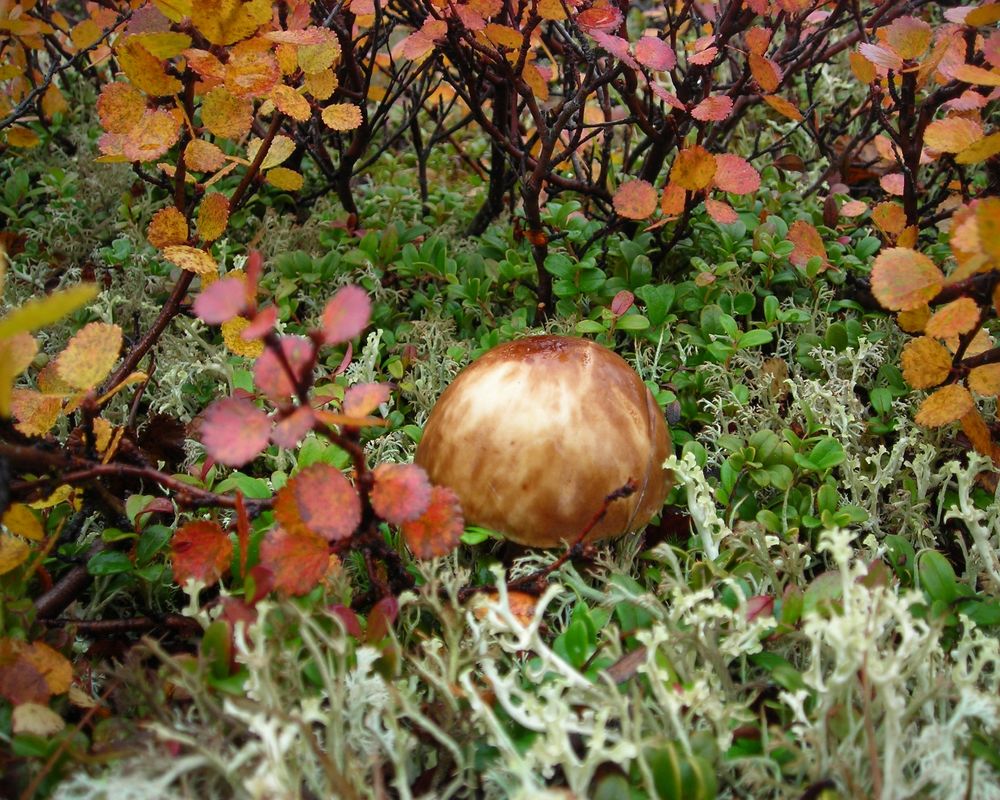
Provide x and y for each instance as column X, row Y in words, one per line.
column 298, row 559
column 957, row 317
column 320, row 500
column 167, row 227
column 784, row 107
column 926, row 363
column 191, row 259
column 693, row 169
column 363, row 398
column 947, row 404
column 90, row 355
column 914, row 320
column 903, row 279
column 35, row 413
column 890, row 218
column 144, row 70
column 439, row 529
column 120, row 107
column 290, row 102
column 52, row 665
column 672, row 202
column 721, row 212
column 252, row 69
column 201, row 551
column 765, row 72
column 808, row 243
column 203, row 156
column 635, row 199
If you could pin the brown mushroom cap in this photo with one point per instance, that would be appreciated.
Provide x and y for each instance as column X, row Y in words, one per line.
column 536, row 433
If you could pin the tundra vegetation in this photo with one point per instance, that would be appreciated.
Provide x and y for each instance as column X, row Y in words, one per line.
column 245, row 245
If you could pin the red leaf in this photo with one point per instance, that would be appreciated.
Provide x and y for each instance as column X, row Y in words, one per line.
column 734, row 174
column 653, row 52
column 201, row 550
column 616, row 45
column 221, row 301
column 439, row 529
column 297, row 559
column 234, row 431
column 401, row 492
column 599, row 19
column 635, row 199
column 349, row 619
column 363, row 398
column 381, row 618
column 758, row 605
column 713, row 109
column 319, row 500
column 269, row 375
column 242, row 531
column 346, row 315
column 622, row 302
column 291, row 430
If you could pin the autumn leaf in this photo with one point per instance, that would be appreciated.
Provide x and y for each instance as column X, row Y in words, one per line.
column 693, row 169
column 225, row 22
column 342, row 116
column 269, row 374
column 200, row 551
column 926, row 363
column 346, row 314
column 401, row 492
column 226, row 115
column 90, row 355
column 363, row 398
column 191, row 259
column 297, row 559
column 903, row 279
column 735, row 175
column 320, row 500
column 957, row 317
column 223, row 300
column 635, row 199
column 213, row 215
column 167, row 227
column 985, row 380
column 439, row 529
column 952, row 135
column 234, row 431
column 203, row 156
column 721, row 212
column 13, row 552
column 808, row 244
column 653, row 52
column 947, row 404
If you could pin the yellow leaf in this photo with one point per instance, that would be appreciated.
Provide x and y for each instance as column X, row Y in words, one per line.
column 167, row 227
column 52, row 664
column 39, row 312
column 979, row 151
column 13, row 552
column 213, row 215
column 20, row 136
column 20, row 520
column 227, row 21
column 285, row 179
column 693, row 169
column 342, row 116
column 957, row 317
column 231, row 331
column 174, row 10
column 35, row 413
column 914, row 320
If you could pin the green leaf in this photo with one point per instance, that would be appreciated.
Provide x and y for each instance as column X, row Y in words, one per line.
column 754, row 338
column 937, row 577
column 110, row 562
column 589, row 326
column 633, row 322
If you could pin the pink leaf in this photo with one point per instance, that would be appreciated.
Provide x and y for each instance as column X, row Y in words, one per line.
column 261, row 325
column 270, row 376
column 221, row 301
column 401, row 492
column 615, row 45
column 291, row 430
column 234, row 431
column 346, row 315
column 363, row 398
column 713, row 109
column 653, row 52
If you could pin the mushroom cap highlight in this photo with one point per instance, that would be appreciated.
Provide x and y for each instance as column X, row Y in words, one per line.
column 537, row 432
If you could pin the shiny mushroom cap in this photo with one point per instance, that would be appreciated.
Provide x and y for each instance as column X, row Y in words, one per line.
column 536, row 433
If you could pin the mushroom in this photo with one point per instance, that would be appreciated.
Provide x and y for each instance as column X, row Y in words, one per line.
column 537, row 432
